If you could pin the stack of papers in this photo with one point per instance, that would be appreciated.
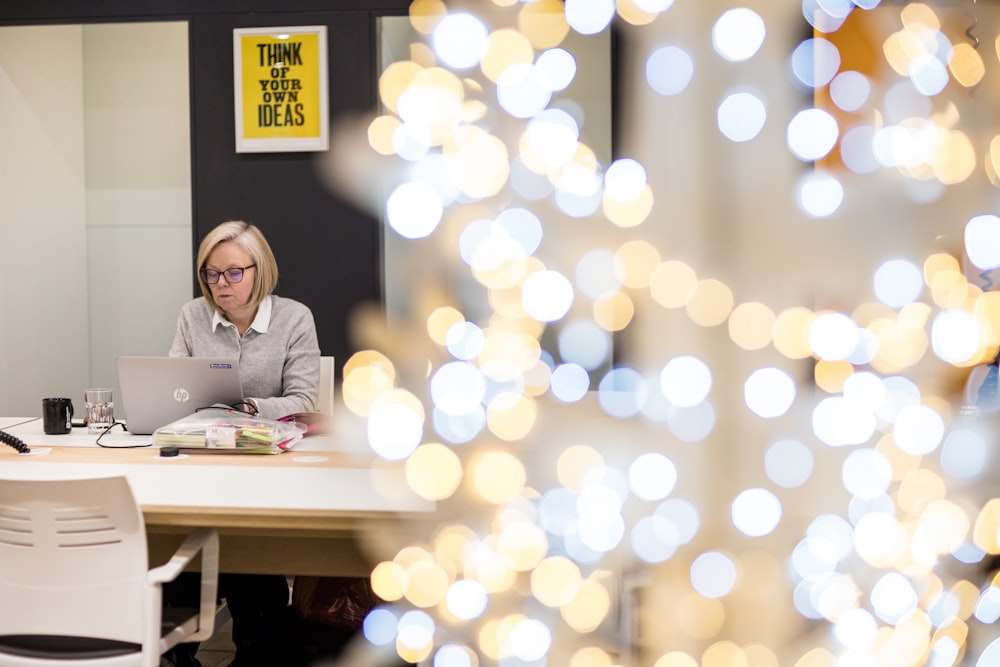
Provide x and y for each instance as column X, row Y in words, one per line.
column 224, row 430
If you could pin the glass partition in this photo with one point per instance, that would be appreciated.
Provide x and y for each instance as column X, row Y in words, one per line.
column 96, row 222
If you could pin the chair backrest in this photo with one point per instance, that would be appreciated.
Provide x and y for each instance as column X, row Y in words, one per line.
column 327, row 379
column 73, row 558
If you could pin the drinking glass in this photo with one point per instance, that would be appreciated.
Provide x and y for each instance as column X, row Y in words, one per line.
column 100, row 409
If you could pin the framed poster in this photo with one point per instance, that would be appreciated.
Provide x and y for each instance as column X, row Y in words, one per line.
column 280, row 84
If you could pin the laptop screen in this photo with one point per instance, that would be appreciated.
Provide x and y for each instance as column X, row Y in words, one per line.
column 158, row 390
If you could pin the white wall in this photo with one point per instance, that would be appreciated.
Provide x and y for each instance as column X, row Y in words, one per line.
column 137, row 125
column 95, row 212
column 43, row 287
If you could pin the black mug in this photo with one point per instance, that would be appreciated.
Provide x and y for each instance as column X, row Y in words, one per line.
column 57, row 415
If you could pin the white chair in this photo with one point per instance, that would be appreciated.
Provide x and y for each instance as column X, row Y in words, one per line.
column 327, row 380
column 75, row 583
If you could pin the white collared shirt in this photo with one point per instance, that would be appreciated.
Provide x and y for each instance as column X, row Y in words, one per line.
column 261, row 320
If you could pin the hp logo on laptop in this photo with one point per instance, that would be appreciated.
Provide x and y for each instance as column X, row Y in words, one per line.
column 181, row 395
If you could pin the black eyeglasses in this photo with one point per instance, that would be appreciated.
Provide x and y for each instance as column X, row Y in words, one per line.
column 233, row 275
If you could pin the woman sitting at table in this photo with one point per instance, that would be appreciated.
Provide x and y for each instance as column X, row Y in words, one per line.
column 275, row 340
column 238, row 315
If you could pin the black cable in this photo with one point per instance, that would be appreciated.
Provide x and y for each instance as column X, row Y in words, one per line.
column 124, row 428
column 16, row 443
column 235, row 406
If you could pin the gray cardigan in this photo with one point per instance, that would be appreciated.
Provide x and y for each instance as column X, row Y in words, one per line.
column 278, row 356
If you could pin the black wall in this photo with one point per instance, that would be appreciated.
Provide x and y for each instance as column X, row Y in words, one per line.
column 329, row 253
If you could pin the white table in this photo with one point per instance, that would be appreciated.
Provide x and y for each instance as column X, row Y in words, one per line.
column 8, row 422
column 310, row 510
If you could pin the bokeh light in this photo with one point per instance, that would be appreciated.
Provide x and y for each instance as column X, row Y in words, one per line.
column 669, row 70
column 598, row 289
column 738, row 34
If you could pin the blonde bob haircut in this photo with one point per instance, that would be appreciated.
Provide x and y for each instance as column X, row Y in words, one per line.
column 248, row 237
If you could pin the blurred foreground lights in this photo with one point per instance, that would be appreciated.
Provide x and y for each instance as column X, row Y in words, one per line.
column 850, row 90
column 827, row 15
column 577, row 465
column 814, row 557
column 570, row 382
column 652, row 476
column 589, row 17
column 769, row 392
column 839, row 422
column 367, row 376
column 380, row 626
column 928, row 74
column 458, row 388
column 591, row 656
column 476, row 161
column 624, row 180
column 713, row 574
column 880, row 539
column 982, row 241
column 956, row 336
column 550, row 140
column 820, row 194
column 918, row 430
column 788, row 463
column 559, row 66
column 812, row 133
column 523, row 90
column 466, row 599
column 685, row 381
column 555, row 581
column 815, row 62
column 455, row 655
column 655, row 539
column 835, row 535
column 498, row 477
column 964, row 453
column 751, row 325
column 504, row 49
column 692, row 424
column 414, row 210
column 833, row 336
column 465, row 340
column 669, row 70
column 893, row 596
column 510, row 415
column 756, row 512
column 395, row 425
column 832, row 596
column 459, row 40
column 433, row 471
column 635, row 263
column 622, row 393
column 856, row 629
column 547, row 295
column 898, row 282
column 741, row 116
column 415, row 636
column 866, row 474
column 529, row 640
column 710, row 304
column 987, row 609
column 966, row 65
column 857, row 151
column 738, row 34
column 440, row 322
column 598, row 272
column 459, row 429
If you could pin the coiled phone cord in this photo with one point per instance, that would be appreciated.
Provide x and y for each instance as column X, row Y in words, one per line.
column 16, row 443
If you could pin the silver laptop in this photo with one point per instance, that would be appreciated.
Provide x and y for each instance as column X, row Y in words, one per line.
column 158, row 390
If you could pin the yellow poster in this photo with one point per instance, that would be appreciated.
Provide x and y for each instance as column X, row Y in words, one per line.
column 280, row 86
